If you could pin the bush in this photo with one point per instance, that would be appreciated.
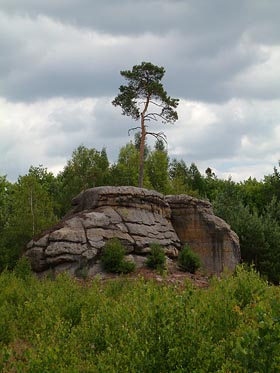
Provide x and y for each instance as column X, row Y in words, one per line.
column 113, row 260
column 23, row 268
column 139, row 326
column 156, row 258
column 126, row 266
column 188, row 260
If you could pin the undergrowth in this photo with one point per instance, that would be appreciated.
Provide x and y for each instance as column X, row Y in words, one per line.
column 127, row 325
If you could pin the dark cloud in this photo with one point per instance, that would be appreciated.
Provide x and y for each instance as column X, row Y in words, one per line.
column 193, row 17
column 77, row 48
column 60, row 64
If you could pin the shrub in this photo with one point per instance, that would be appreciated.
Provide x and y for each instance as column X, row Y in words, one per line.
column 156, row 258
column 113, row 260
column 188, row 260
column 139, row 326
column 126, row 266
column 23, row 268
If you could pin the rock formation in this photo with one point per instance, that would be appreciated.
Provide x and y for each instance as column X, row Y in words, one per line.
column 138, row 217
column 207, row 235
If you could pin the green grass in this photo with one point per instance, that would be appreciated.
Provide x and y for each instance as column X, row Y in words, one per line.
column 139, row 326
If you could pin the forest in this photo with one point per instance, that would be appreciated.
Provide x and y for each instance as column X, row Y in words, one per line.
column 39, row 199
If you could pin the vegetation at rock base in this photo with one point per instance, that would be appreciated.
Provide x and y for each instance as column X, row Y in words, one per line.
column 188, row 260
column 113, row 258
column 156, row 258
column 139, row 326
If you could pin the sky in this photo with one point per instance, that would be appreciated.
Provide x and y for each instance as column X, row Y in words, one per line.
column 60, row 64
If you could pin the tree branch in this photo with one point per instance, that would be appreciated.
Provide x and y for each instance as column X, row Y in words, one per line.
column 133, row 129
column 158, row 135
column 154, row 115
column 159, row 105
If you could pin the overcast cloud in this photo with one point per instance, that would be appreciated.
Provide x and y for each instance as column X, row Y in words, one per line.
column 59, row 71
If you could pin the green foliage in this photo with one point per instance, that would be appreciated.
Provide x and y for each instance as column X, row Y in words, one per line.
column 112, row 258
column 157, row 168
column 126, row 267
column 23, row 268
column 188, row 260
column 144, row 81
column 125, row 172
column 5, row 187
column 49, row 183
column 30, row 211
column 259, row 234
column 87, row 168
column 186, row 179
column 139, row 326
column 156, row 258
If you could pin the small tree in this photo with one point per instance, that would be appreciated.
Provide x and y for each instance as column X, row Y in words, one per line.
column 156, row 259
column 113, row 258
column 188, row 260
column 144, row 91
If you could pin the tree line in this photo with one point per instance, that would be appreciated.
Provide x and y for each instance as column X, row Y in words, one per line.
column 39, row 199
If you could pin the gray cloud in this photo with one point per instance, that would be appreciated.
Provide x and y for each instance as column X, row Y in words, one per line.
column 192, row 17
column 236, row 132
column 76, row 49
column 60, row 64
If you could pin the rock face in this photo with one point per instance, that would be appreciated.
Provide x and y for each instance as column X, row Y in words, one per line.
column 138, row 217
column 207, row 235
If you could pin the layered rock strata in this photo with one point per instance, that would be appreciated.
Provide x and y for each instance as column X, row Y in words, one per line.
column 138, row 217
column 207, row 235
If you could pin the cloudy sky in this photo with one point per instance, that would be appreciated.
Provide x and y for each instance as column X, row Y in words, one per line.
column 59, row 71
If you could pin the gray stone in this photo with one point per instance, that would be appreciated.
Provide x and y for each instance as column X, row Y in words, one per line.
column 206, row 234
column 138, row 217
column 30, row 244
column 95, row 269
column 60, row 259
column 60, row 247
column 138, row 260
column 37, row 259
column 94, row 234
column 95, row 220
column 90, row 253
column 113, row 216
column 40, row 242
column 68, row 234
column 74, row 222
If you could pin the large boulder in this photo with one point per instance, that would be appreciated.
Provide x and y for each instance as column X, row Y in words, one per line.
column 138, row 217
column 207, row 235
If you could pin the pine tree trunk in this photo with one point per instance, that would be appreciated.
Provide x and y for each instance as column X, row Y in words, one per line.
column 142, row 157
column 142, row 144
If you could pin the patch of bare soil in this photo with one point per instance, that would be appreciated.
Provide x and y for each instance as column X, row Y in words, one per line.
column 173, row 276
